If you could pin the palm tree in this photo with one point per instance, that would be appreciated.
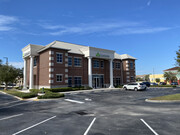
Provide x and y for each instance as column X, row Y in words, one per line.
column 169, row 76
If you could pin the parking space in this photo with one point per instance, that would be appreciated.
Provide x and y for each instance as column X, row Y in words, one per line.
column 94, row 113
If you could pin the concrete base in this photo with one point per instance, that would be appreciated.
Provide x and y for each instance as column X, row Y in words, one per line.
column 111, row 86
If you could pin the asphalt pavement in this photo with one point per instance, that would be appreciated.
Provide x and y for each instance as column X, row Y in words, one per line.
column 112, row 112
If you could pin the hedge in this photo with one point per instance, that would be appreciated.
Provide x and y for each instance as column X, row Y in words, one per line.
column 49, row 94
column 171, row 86
column 65, row 89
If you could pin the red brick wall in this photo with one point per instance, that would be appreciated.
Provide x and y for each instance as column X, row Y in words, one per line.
column 44, row 68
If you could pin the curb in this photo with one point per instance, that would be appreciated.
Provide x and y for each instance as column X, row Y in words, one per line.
column 92, row 90
column 162, row 101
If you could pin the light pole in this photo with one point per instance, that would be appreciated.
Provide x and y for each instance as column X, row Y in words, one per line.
column 6, row 60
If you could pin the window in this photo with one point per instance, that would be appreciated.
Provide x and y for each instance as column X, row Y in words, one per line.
column 59, row 78
column 69, row 81
column 132, row 78
column 77, row 81
column 131, row 65
column 77, row 62
column 117, row 81
column 35, row 61
column 70, row 61
column 118, row 65
column 102, row 64
column 96, row 63
column 59, row 57
column 113, row 64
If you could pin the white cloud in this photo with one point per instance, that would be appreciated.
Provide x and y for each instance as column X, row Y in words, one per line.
column 6, row 22
column 17, row 64
column 149, row 3
column 108, row 28
column 144, row 30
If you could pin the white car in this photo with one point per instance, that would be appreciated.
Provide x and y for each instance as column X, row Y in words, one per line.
column 135, row 86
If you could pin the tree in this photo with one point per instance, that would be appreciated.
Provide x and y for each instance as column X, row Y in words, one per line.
column 170, row 76
column 178, row 59
column 8, row 74
column 157, row 80
column 147, row 78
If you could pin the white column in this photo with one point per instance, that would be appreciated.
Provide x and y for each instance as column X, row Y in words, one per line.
column 90, row 71
column 24, row 75
column 111, row 73
column 31, row 73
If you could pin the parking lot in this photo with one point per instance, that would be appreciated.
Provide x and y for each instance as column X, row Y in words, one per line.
column 112, row 112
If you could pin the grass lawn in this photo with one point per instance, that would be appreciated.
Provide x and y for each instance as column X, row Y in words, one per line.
column 167, row 97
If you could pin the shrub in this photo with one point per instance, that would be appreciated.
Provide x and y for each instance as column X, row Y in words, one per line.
column 163, row 86
column 65, row 89
column 49, row 94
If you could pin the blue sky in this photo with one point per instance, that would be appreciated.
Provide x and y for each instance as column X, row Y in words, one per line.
column 148, row 30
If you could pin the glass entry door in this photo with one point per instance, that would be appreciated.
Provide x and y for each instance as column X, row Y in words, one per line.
column 98, row 81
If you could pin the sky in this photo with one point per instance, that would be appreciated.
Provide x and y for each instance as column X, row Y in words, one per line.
column 148, row 30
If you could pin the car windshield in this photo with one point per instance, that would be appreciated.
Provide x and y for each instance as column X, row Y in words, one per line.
column 141, row 84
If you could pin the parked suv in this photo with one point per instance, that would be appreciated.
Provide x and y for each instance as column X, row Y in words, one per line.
column 135, row 86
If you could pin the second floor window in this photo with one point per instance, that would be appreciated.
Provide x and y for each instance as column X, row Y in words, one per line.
column 35, row 61
column 131, row 65
column 96, row 63
column 69, row 61
column 77, row 62
column 118, row 65
column 59, row 57
column 102, row 64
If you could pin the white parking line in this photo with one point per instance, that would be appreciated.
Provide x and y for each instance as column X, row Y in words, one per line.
column 89, row 126
column 149, row 127
column 74, row 101
column 34, row 125
column 11, row 116
column 10, row 102
column 16, row 105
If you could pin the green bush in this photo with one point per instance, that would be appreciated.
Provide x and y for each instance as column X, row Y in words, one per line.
column 49, row 94
column 65, row 89
column 163, row 86
column 119, row 86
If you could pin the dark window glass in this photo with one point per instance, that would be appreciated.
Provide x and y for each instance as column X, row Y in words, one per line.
column 59, row 57
column 77, row 62
column 96, row 63
column 69, row 61
column 77, row 81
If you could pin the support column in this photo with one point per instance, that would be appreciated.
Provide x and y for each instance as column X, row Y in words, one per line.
column 90, row 71
column 111, row 73
column 31, row 83
column 25, row 75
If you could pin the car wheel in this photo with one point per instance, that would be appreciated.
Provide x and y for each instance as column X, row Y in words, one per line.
column 125, row 88
column 135, row 89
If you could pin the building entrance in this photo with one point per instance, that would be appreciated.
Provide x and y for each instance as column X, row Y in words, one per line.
column 98, row 81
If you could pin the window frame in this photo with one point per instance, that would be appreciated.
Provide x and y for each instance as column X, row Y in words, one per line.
column 96, row 62
column 61, row 77
column 77, row 85
column 71, row 61
column 57, row 53
column 80, row 62
column 118, row 65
